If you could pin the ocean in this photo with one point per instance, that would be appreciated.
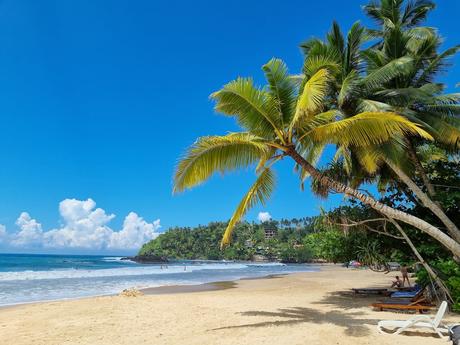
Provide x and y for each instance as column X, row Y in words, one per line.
column 26, row 278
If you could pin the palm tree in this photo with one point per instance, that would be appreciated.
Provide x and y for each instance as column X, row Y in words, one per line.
column 390, row 13
column 396, row 80
column 400, row 36
column 288, row 118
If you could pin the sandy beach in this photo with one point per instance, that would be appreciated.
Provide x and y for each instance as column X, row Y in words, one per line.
column 304, row 308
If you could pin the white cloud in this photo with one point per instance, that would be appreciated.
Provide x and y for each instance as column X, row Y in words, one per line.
column 264, row 216
column 30, row 233
column 136, row 231
column 84, row 226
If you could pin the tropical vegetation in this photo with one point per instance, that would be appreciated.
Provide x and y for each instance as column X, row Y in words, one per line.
column 373, row 98
column 347, row 97
column 202, row 242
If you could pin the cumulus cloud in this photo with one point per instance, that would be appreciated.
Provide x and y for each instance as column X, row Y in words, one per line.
column 136, row 231
column 264, row 216
column 30, row 233
column 83, row 226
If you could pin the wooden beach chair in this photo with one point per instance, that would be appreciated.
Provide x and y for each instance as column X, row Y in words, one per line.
column 420, row 322
column 399, row 304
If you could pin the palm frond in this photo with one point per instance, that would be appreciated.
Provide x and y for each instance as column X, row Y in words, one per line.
column 388, row 72
column 374, row 58
column 259, row 192
column 443, row 109
column 416, row 11
column 369, row 158
column 268, row 160
column 315, row 121
column 312, row 97
column 373, row 11
column 343, row 154
column 355, row 38
column 422, row 42
column 217, row 154
column 349, row 87
column 445, row 130
column 315, row 63
column 403, row 97
column 242, row 99
column 281, row 86
column 436, row 65
column 395, row 42
column 336, row 39
column 447, row 104
column 421, row 32
column 369, row 105
column 365, row 129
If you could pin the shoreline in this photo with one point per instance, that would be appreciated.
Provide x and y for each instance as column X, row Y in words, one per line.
column 313, row 307
column 202, row 287
column 160, row 290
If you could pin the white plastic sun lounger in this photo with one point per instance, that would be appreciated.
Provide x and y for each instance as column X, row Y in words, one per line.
column 420, row 321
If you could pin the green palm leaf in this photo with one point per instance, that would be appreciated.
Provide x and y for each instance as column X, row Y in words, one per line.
column 349, row 87
column 311, row 98
column 379, row 77
column 259, row 192
column 368, row 105
column 217, row 154
column 242, row 99
column 365, row 129
column 446, row 130
column 281, row 87
column 436, row 65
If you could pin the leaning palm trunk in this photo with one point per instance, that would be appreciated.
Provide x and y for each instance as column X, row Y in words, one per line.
column 288, row 118
column 426, row 201
column 427, row 267
column 445, row 240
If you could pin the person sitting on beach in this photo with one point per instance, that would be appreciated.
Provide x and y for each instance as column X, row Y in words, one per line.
column 397, row 283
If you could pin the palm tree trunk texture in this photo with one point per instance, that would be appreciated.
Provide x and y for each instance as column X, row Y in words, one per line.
column 445, row 240
column 426, row 201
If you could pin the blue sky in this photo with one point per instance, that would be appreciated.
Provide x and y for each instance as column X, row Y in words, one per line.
column 99, row 98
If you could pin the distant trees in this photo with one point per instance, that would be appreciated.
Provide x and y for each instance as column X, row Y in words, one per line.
column 202, row 242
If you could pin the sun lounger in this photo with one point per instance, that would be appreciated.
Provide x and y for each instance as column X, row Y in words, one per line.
column 420, row 321
column 419, row 305
column 370, row 291
column 414, row 294
column 410, row 288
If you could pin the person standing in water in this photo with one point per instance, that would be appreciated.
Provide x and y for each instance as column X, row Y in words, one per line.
column 405, row 275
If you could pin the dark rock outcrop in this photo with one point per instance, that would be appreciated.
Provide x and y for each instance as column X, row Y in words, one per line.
column 146, row 259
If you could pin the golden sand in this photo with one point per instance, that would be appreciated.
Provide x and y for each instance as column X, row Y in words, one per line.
column 305, row 308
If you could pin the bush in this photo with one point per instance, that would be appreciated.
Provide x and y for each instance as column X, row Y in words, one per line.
column 449, row 272
column 299, row 254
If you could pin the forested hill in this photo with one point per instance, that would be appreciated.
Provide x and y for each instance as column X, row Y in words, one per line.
column 249, row 239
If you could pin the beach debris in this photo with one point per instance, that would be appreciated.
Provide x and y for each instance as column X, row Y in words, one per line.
column 131, row 293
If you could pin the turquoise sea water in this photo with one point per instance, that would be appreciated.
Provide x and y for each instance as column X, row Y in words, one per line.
column 30, row 278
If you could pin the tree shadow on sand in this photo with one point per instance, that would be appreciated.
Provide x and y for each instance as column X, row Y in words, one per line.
column 352, row 322
column 347, row 300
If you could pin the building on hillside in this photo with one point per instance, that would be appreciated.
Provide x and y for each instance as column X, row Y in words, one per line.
column 270, row 230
